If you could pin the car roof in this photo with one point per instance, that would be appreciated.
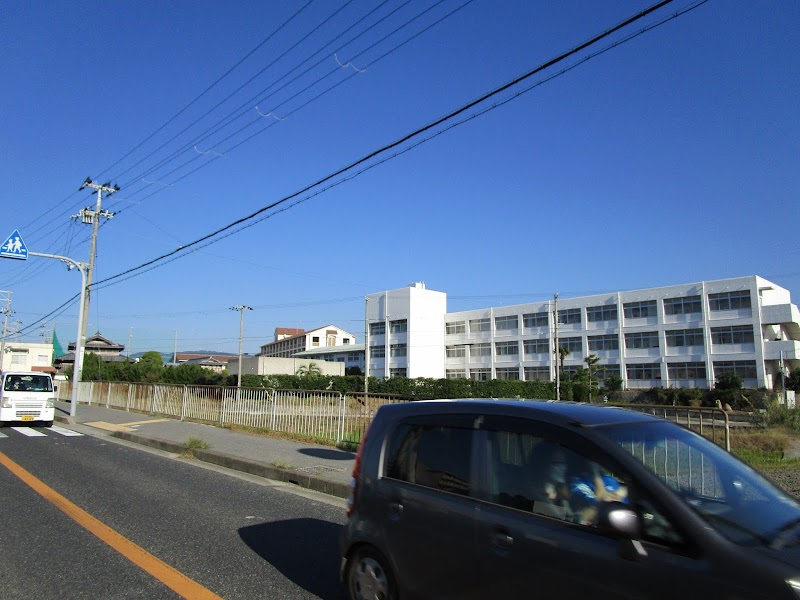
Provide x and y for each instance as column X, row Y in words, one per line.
column 547, row 410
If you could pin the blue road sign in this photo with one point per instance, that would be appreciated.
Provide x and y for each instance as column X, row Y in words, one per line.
column 14, row 247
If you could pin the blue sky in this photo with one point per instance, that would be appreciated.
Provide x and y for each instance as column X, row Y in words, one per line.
column 668, row 159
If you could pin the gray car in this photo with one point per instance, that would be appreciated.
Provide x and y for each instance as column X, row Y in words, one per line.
column 502, row 498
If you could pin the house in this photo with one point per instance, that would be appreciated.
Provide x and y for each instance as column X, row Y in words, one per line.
column 107, row 350
column 211, row 363
column 288, row 342
column 27, row 356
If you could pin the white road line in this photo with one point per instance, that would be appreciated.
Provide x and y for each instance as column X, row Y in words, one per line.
column 29, row 432
column 2, row 435
column 63, row 431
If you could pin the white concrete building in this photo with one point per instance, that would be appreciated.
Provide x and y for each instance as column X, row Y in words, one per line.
column 351, row 355
column 288, row 342
column 406, row 332
column 675, row 336
column 27, row 356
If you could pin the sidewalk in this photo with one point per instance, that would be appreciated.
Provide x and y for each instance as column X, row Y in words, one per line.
column 321, row 468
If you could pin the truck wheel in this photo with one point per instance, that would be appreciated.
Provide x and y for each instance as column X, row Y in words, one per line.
column 47, row 423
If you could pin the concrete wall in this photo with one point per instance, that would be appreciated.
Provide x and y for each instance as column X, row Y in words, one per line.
column 266, row 365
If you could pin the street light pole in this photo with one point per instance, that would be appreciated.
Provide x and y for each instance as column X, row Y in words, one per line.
column 80, row 340
column 241, row 308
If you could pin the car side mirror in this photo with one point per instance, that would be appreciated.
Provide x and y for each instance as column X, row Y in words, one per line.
column 619, row 519
column 55, row 388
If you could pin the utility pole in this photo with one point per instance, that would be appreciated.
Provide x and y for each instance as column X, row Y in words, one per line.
column 6, row 310
column 556, row 350
column 91, row 217
column 241, row 308
column 175, row 350
column 366, row 349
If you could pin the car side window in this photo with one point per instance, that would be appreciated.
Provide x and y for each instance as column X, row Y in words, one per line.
column 434, row 456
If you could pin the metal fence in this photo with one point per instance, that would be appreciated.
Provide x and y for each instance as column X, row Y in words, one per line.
column 325, row 415
column 713, row 423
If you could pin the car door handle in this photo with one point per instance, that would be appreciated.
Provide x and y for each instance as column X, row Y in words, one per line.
column 503, row 540
column 395, row 510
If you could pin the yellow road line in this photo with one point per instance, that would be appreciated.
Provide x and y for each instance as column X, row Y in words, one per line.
column 169, row 576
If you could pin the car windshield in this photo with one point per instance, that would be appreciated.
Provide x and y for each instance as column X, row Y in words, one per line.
column 28, row 383
column 732, row 497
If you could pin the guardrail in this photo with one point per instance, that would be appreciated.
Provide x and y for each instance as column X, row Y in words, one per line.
column 711, row 422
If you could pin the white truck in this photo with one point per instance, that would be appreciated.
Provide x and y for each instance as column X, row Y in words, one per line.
column 27, row 396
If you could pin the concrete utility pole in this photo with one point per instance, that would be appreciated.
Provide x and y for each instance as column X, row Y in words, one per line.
column 241, row 308
column 92, row 217
column 6, row 310
column 366, row 349
column 556, row 349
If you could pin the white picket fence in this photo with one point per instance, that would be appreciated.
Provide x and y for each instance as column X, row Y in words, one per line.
column 318, row 414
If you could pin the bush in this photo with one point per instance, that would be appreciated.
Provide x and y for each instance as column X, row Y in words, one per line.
column 728, row 381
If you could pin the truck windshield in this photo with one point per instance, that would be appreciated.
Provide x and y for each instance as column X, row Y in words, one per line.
column 28, row 383
column 731, row 496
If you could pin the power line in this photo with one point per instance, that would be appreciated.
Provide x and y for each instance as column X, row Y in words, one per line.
column 561, row 57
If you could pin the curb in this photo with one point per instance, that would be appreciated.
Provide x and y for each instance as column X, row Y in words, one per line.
column 298, row 478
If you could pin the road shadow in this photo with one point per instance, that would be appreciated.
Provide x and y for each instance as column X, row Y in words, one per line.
column 328, row 453
column 305, row 551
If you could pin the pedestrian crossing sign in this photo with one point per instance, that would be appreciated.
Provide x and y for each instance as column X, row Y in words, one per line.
column 14, row 247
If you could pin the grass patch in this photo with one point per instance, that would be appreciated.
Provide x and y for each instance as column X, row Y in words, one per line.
column 191, row 445
column 280, row 464
column 764, row 448
column 298, row 437
column 772, row 440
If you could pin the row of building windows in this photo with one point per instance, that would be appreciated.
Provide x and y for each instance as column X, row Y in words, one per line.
column 635, row 372
column 608, row 312
column 397, row 326
column 675, row 338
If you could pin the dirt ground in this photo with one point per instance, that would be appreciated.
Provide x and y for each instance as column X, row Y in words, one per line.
column 788, row 479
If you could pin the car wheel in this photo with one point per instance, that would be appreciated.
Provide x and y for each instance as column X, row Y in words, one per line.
column 47, row 423
column 369, row 578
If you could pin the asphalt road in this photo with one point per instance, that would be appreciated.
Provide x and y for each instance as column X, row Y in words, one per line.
column 236, row 535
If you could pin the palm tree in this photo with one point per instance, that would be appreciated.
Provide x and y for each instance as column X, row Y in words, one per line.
column 562, row 354
column 591, row 361
column 309, row 370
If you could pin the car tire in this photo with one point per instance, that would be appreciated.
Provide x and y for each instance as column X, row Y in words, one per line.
column 47, row 423
column 369, row 576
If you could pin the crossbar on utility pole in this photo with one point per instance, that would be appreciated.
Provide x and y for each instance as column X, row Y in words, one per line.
column 92, row 217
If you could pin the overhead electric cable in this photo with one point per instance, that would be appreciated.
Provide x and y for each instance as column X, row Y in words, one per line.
column 219, row 79
column 228, row 97
column 401, row 140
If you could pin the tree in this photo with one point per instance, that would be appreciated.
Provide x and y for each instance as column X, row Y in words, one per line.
column 149, row 369
column 91, row 367
column 562, row 354
column 612, row 383
column 591, row 364
column 309, row 370
column 728, row 380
